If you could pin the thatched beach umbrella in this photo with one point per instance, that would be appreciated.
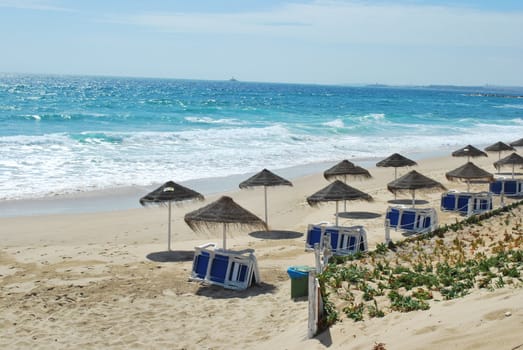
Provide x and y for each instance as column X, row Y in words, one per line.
column 345, row 169
column 469, row 171
column 266, row 179
column 518, row 143
column 499, row 147
column 413, row 181
column 513, row 159
column 223, row 212
column 167, row 193
column 395, row 161
column 335, row 192
column 469, row 151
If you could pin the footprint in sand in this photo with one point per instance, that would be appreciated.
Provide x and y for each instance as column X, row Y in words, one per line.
column 495, row 315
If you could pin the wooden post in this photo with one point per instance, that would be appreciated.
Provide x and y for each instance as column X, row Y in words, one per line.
column 387, row 231
column 315, row 306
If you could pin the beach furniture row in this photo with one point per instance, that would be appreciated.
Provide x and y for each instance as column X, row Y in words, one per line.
column 239, row 269
column 226, row 268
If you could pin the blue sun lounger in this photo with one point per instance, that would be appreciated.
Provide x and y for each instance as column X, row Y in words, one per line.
column 226, row 268
column 509, row 187
column 343, row 240
column 414, row 220
column 466, row 203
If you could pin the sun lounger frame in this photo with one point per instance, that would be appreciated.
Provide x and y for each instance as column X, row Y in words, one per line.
column 344, row 240
column 467, row 203
column 227, row 268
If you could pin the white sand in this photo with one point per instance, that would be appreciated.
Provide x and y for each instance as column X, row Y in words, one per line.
column 84, row 281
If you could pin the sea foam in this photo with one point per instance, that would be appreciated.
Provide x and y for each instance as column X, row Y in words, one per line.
column 102, row 133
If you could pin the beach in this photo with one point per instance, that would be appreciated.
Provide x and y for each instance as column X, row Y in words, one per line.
column 97, row 279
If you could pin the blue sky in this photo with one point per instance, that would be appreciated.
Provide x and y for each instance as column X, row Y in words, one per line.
column 318, row 41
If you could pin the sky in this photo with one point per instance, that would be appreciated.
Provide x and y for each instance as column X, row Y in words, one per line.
column 405, row 42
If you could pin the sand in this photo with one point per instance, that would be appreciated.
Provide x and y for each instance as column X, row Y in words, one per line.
column 98, row 280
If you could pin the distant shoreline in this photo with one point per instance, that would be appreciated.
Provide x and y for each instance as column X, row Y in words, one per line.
column 448, row 87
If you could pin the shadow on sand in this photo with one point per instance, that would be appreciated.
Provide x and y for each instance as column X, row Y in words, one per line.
column 275, row 234
column 407, row 201
column 358, row 215
column 217, row 292
column 171, row 256
column 325, row 338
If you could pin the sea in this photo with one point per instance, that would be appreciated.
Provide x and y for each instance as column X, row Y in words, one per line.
column 62, row 135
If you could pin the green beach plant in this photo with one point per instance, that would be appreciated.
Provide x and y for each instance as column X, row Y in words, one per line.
column 410, row 271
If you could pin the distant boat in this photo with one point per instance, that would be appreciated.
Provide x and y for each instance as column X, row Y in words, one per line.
column 233, row 79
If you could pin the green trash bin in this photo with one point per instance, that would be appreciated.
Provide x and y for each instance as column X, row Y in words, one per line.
column 299, row 280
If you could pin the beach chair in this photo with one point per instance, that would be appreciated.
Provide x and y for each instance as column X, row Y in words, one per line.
column 413, row 220
column 455, row 201
column 509, row 187
column 314, row 235
column 343, row 240
column 349, row 240
column 466, row 203
column 496, row 187
column 226, row 268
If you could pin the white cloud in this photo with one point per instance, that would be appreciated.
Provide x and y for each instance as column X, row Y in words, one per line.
column 350, row 22
column 39, row 5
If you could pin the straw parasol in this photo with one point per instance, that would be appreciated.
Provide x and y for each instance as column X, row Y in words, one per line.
column 413, row 181
column 499, row 147
column 469, row 171
column 469, row 151
column 223, row 212
column 395, row 161
column 167, row 193
column 518, row 143
column 512, row 159
column 344, row 169
column 266, row 179
column 335, row 192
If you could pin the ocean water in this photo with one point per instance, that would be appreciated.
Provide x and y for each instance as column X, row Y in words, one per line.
column 69, row 134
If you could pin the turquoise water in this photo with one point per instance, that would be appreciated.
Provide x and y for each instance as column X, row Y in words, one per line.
column 70, row 134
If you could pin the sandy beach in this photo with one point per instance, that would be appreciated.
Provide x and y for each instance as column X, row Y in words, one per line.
column 94, row 280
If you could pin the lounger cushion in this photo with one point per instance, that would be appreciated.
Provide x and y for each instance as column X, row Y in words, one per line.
column 201, row 261
column 313, row 235
column 448, row 202
column 219, row 268
column 393, row 216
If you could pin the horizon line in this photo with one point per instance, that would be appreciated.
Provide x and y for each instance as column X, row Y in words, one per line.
column 375, row 84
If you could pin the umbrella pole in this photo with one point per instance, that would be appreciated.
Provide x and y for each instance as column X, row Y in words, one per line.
column 345, row 202
column 224, row 235
column 266, row 218
column 413, row 198
column 468, row 186
column 169, row 229
column 512, row 171
column 502, row 193
column 336, row 213
column 395, row 178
